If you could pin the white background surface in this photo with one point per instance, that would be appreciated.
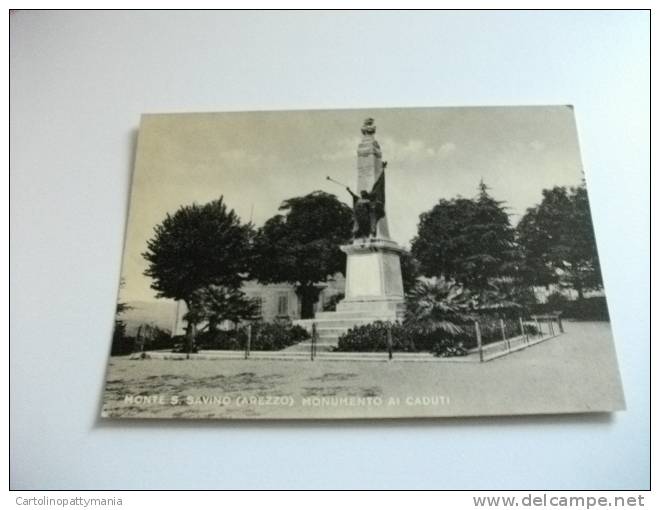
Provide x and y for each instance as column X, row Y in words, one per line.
column 80, row 80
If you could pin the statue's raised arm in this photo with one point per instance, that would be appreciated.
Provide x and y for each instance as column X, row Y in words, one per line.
column 355, row 197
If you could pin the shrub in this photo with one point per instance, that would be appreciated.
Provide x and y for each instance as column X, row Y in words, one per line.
column 270, row 336
column 373, row 338
column 158, row 339
column 266, row 336
column 448, row 347
column 180, row 345
column 557, row 301
column 491, row 329
column 219, row 340
column 331, row 304
column 121, row 344
column 531, row 330
column 594, row 308
column 586, row 309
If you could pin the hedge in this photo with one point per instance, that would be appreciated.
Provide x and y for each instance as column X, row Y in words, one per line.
column 266, row 336
column 586, row 309
column 373, row 338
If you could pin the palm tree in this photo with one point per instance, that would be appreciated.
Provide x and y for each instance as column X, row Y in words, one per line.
column 436, row 305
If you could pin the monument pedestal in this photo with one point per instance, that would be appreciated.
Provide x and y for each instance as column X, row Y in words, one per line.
column 374, row 285
column 374, row 292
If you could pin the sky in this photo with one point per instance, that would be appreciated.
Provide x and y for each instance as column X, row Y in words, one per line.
column 256, row 160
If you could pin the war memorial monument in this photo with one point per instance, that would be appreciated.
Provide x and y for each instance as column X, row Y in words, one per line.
column 374, row 287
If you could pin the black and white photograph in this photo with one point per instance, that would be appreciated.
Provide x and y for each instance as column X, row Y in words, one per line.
column 381, row 263
column 280, row 248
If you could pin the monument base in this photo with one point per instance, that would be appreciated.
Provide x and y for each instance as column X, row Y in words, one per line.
column 373, row 276
column 374, row 291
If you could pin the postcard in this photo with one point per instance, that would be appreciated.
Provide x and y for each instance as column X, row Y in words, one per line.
column 366, row 263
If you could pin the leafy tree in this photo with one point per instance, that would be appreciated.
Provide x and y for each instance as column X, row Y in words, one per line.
column 410, row 271
column 216, row 304
column 558, row 242
column 543, row 234
column 504, row 297
column 470, row 241
column 301, row 245
column 196, row 247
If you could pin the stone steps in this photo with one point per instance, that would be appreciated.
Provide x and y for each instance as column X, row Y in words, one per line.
column 336, row 325
column 354, row 314
column 339, row 322
column 330, row 336
column 331, row 325
column 368, row 307
column 329, row 331
column 326, row 343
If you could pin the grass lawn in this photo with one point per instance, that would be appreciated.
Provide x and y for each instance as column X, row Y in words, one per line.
column 575, row 372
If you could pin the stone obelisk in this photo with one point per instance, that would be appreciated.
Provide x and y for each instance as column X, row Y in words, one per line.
column 370, row 167
column 373, row 268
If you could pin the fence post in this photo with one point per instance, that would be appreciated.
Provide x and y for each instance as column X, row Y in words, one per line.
column 313, row 346
column 138, row 337
column 538, row 326
column 560, row 324
column 248, row 341
column 522, row 330
column 389, row 340
column 477, row 330
column 551, row 328
column 504, row 338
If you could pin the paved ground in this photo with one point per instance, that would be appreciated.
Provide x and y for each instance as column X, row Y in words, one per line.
column 575, row 372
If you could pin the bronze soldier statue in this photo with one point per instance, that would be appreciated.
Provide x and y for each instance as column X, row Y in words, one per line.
column 363, row 215
column 368, row 208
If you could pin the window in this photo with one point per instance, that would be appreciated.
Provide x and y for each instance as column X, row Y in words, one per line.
column 283, row 304
column 260, row 305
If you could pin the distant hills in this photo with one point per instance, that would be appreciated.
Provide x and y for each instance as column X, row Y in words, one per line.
column 160, row 313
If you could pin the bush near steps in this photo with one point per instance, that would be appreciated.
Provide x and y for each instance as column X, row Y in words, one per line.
column 373, row 338
column 266, row 336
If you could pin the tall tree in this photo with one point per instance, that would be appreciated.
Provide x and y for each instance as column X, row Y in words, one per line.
column 196, row 247
column 558, row 242
column 120, row 326
column 410, row 271
column 301, row 245
column 470, row 241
